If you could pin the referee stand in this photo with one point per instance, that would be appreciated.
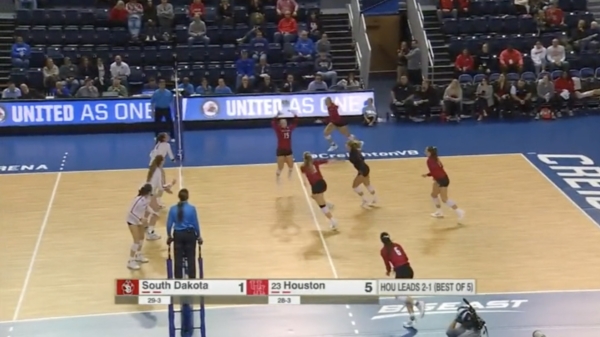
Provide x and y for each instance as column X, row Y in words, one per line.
column 187, row 308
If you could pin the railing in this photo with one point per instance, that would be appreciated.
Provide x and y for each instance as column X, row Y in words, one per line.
column 361, row 41
column 415, row 23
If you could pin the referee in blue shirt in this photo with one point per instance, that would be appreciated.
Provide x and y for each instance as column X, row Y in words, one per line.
column 161, row 106
column 183, row 229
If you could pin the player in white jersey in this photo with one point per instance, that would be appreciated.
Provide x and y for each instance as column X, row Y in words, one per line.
column 156, row 178
column 162, row 147
column 136, row 218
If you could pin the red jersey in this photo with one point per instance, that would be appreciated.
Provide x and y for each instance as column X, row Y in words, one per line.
column 284, row 135
column 334, row 114
column 436, row 169
column 313, row 174
column 393, row 257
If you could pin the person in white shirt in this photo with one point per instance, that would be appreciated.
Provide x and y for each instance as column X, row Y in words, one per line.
column 538, row 56
column 156, row 178
column 162, row 148
column 556, row 55
column 120, row 70
column 136, row 218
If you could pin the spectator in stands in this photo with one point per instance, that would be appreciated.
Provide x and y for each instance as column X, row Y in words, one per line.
column 402, row 94
column 463, row 7
column 117, row 87
column 502, row 100
column 511, row 60
column 101, row 72
column 521, row 96
column 485, row 60
column 69, row 74
column 323, row 45
column 484, row 99
column 267, row 86
column 87, row 70
column 120, row 70
column 59, row 91
column 369, row 113
column 118, row 14
column 314, row 25
column 324, row 67
column 197, row 31
column 245, row 87
column 150, row 18
column 88, row 90
column 259, row 46
column 304, row 47
column 402, row 60
column 204, row 88
column 290, row 84
column 464, row 63
column 581, row 36
column 135, row 11
column 522, row 7
column 413, row 64
column 545, row 95
column 256, row 12
column 453, row 96
column 285, row 6
column 21, row 52
column 424, row 99
column 51, row 72
column 594, row 33
column 317, row 84
column 446, row 10
column 564, row 89
column 165, row 16
column 186, row 86
column 538, row 56
column 225, row 13
column 11, row 91
column 286, row 29
column 556, row 56
column 27, row 93
column 244, row 66
column 350, row 83
column 555, row 17
column 196, row 8
column 262, row 69
column 222, row 88
column 151, row 85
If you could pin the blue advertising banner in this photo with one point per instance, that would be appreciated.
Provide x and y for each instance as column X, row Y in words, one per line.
column 138, row 110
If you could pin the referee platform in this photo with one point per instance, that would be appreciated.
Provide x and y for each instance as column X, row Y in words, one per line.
column 530, row 238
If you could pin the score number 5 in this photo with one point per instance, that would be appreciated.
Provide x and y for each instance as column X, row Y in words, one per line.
column 369, row 287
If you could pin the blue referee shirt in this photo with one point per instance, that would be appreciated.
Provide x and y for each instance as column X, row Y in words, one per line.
column 162, row 99
column 190, row 220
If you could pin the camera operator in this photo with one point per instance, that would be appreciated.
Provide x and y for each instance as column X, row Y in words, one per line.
column 466, row 324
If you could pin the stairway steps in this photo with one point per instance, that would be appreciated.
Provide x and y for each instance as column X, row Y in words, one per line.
column 443, row 71
column 7, row 29
column 343, row 54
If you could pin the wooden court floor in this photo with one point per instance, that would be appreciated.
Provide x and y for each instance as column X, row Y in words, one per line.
column 520, row 234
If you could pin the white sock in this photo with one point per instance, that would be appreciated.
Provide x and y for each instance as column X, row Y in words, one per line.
column 278, row 173
column 140, row 244
column 290, row 171
column 330, row 140
column 436, row 202
column 360, row 193
column 371, row 189
column 450, row 203
column 351, row 137
column 134, row 249
column 325, row 210
column 150, row 229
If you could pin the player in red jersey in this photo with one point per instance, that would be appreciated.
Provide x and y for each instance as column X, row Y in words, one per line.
column 336, row 122
column 284, row 143
column 393, row 255
column 441, row 181
column 318, row 186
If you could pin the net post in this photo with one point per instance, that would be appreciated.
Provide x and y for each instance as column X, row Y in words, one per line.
column 201, row 276
column 171, row 309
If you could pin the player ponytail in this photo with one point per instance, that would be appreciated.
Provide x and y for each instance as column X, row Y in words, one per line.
column 158, row 160
column 353, row 144
column 387, row 242
column 433, row 152
column 307, row 158
column 183, row 196
column 161, row 138
column 145, row 190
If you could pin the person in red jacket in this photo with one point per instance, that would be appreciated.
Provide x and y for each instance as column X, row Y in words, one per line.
column 197, row 7
column 511, row 60
column 564, row 94
column 463, row 7
column 118, row 14
column 446, row 10
column 554, row 16
column 287, row 29
column 464, row 63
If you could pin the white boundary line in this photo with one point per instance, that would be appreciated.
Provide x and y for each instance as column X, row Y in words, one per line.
column 253, row 306
column 564, row 194
column 260, row 164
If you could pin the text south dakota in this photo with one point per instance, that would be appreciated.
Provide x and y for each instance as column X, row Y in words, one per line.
column 169, row 285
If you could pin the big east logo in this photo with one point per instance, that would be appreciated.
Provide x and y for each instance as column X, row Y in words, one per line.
column 499, row 306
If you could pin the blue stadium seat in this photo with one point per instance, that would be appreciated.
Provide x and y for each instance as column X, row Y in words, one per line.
column 55, row 35
column 118, row 51
column 150, row 55
column 210, row 14
column 528, row 76
column 240, row 14
column 527, row 24
column 102, row 35
column 87, row 34
column 181, row 34
column 119, row 36
column 71, row 52
column 512, row 77
column 87, row 16
column 270, row 14
column 151, row 72
column 556, row 74
column 101, row 16
column 56, row 17
column 23, row 17
column 214, row 53
column 183, row 53
column 477, row 8
column 18, row 76
column 277, row 71
column 229, row 52
column 72, row 17
column 198, row 73
column 465, row 79
column 87, row 51
column 450, row 26
column 214, row 72
column 35, row 77
column 587, row 73
column 165, row 54
column 574, row 73
column 37, row 58
column 23, row 31
column 478, row 78
column 494, row 77
column 134, row 54
column 71, row 35
column 136, row 77
column 39, row 17
column 511, row 24
column 490, row 7
column 38, row 35
column 103, row 52
column 229, row 72
column 465, row 26
column 480, row 25
column 184, row 71
column 579, row 5
column 54, row 53
column 167, row 73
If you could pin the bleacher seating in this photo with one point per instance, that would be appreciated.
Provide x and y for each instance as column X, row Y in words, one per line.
column 58, row 33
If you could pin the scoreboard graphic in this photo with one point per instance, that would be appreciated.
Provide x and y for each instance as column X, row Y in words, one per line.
column 256, row 291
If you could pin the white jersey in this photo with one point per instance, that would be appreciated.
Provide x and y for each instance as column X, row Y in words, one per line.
column 157, row 180
column 163, row 149
column 137, row 210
